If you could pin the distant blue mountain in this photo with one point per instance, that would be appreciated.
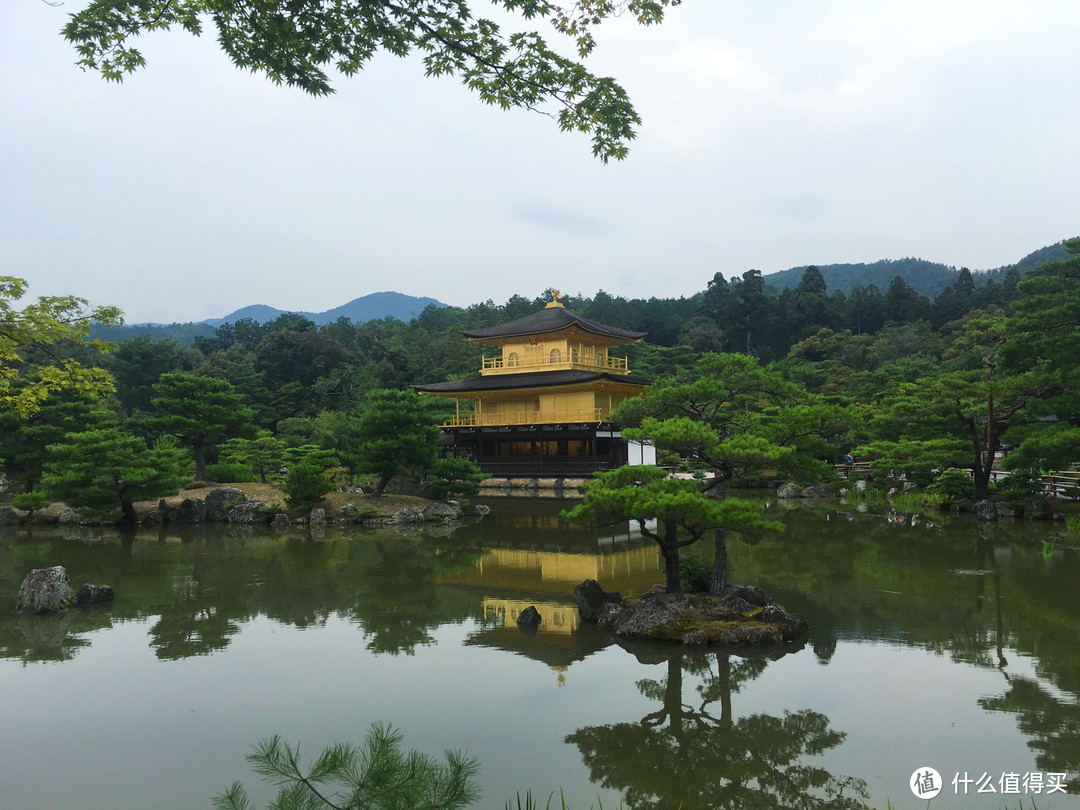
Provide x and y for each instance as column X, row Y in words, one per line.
column 359, row 310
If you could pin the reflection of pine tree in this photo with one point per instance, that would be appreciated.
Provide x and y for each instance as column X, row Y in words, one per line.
column 398, row 602
column 1051, row 724
column 681, row 756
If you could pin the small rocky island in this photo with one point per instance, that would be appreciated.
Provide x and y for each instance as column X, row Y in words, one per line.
column 744, row 615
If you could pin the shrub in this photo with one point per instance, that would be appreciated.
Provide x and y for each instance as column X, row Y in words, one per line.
column 695, row 574
column 455, row 476
column 952, row 485
column 305, row 485
column 1021, row 484
column 230, row 472
column 30, row 501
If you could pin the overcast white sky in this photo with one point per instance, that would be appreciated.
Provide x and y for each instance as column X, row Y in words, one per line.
column 775, row 134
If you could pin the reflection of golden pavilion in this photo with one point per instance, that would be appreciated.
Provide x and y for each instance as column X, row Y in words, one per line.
column 630, row 570
column 560, row 639
column 543, row 405
column 557, row 617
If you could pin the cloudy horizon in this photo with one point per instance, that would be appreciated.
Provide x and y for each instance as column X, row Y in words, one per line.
column 772, row 137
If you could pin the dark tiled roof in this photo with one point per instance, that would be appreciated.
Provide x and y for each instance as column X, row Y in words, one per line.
column 552, row 319
column 530, row 379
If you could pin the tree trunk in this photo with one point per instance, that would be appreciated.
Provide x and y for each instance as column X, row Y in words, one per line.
column 200, row 461
column 718, row 582
column 380, row 487
column 670, row 549
column 128, row 508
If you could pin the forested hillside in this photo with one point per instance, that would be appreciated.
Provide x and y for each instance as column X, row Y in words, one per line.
column 927, row 278
column 664, row 319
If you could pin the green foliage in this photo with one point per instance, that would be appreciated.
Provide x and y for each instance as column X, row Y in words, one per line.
column 30, row 501
column 263, row 455
column 23, row 440
column 268, row 511
column 309, row 477
column 455, row 477
column 696, row 573
column 305, row 486
column 310, row 454
column 733, row 418
column 105, row 470
column 645, row 493
column 394, row 432
column 1045, row 331
column 294, row 47
column 35, row 342
column 230, row 472
column 1022, row 483
column 952, row 485
column 956, row 418
column 200, row 412
column 137, row 362
column 378, row 775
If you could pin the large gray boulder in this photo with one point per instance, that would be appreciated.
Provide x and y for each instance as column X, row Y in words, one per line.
column 407, row 516
column 591, row 598
column 788, row 491
column 247, row 512
column 752, row 594
column 985, row 510
column 220, row 500
column 440, row 511
column 92, row 594
column 45, row 590
column 352, row 512
column 317, row 516
column 736, row 603
column 190, row 510
column 8, row 516
column 656, row 614
column 1009, row 509
column 1037, row 509
column 816, row 492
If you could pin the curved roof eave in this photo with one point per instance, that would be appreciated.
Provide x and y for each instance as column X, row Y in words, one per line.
column 551, row 319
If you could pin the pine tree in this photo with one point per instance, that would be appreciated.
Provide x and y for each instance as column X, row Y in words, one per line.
column 104, row 470
column 199, row 412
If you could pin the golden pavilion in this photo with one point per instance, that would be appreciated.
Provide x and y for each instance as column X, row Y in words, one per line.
column 541, row 407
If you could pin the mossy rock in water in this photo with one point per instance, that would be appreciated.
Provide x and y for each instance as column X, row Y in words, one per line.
column 662, row 616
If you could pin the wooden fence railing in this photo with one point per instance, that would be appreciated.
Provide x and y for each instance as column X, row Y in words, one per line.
column 1058, row 483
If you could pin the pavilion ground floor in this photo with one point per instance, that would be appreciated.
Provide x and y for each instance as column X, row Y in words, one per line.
column 571, row 450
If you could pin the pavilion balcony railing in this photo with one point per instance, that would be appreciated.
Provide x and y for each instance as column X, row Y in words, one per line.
column 590, row 361
column 547, row 416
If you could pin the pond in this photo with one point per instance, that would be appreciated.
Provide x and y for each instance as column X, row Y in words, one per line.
column 935, row 642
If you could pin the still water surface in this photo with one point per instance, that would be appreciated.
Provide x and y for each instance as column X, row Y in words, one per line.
column 936, row 643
